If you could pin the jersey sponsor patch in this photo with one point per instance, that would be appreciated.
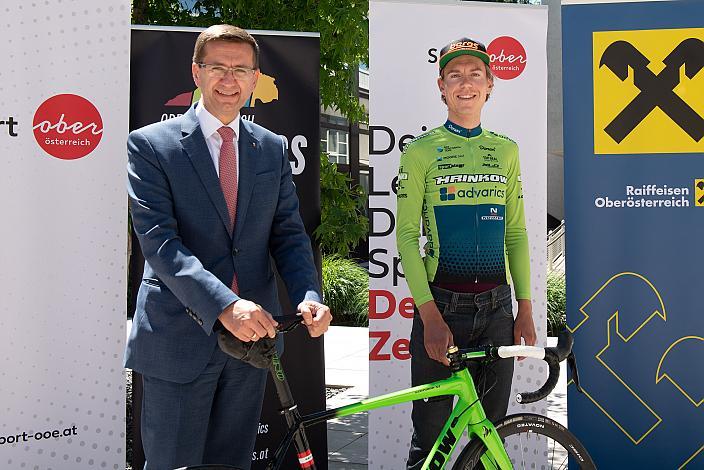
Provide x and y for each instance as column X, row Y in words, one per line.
column 501, row 136
column 450, row 193
column 449, row 166
column 447, row 148
column 419, row 137
column 493, row 215
column 469, row 178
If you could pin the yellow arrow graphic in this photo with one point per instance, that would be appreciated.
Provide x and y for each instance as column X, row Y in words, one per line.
column 613, row 321
column 664, row 375
column 658, row 420
column 686, row 462
column 660, row 312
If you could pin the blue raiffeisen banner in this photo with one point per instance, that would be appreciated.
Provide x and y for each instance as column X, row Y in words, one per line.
column 634, row 201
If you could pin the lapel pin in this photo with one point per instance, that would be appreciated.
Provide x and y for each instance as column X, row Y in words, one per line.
column 254, row 144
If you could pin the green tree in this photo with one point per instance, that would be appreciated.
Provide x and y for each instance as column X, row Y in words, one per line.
column 342, row 222
column 343, row 28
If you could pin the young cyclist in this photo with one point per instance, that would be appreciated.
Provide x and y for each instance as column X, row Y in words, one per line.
column 464, row 183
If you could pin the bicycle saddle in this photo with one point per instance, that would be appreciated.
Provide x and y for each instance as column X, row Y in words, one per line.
column 255, row 353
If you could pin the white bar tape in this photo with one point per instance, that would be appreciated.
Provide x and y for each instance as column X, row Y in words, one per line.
column 525, row 351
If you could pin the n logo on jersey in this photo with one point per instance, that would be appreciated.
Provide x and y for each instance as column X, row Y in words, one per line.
column 648, row 86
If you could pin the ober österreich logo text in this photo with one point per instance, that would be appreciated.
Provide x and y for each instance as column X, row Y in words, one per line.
column 67, row 126
column 508, row 57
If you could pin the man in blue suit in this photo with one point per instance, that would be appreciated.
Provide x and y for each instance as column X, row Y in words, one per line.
column 212, row 202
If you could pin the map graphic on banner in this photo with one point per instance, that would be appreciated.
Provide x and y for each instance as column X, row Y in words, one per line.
column 633, row 198
column 266, row 91
column 515, row 36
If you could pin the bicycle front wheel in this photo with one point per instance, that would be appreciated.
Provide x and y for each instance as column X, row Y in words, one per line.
column 529, row 439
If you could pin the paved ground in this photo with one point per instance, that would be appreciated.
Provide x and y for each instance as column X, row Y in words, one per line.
column 346, row 364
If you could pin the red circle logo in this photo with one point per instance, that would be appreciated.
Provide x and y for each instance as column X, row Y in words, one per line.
column 508, row 57
column 67, row 126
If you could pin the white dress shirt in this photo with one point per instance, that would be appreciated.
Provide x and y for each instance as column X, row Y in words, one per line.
column 209, row 125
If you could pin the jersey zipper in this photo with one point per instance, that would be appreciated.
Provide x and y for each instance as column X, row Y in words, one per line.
column 476, row 217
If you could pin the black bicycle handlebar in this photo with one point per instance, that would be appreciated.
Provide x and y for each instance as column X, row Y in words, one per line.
column 287, row 322
column 553, row 357
column 554, row 373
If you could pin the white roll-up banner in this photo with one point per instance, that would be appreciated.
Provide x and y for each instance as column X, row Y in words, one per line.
column 405, row 39
column 64, row 88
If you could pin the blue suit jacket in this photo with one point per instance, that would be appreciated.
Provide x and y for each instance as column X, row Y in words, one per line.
column 180, row 217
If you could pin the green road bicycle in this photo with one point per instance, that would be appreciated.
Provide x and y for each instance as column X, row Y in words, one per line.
column 488, row 441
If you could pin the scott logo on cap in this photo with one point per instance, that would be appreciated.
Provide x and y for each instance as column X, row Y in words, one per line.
column 460, row 47
column 463, row 44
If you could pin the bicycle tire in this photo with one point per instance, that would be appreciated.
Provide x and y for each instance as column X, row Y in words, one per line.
column 516, row 430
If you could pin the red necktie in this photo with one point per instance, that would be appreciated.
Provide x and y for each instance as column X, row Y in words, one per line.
column 228, row 179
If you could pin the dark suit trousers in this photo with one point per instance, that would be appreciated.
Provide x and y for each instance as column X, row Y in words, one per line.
column 212, row 420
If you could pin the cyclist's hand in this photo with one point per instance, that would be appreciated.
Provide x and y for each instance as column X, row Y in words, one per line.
column 316, row 317
column 437, row 336
column 523, row 326
column 248, row 321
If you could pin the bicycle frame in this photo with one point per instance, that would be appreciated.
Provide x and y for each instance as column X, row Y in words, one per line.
column 467, row 414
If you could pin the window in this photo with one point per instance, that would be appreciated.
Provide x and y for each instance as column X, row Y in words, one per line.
column 364, row 183
column 335, row 143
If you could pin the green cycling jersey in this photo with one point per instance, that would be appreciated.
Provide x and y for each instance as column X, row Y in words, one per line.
column 465, row 185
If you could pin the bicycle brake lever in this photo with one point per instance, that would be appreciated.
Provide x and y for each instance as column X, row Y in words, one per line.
column 572, row 363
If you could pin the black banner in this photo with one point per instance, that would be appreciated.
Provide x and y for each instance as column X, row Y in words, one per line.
column 286, row 101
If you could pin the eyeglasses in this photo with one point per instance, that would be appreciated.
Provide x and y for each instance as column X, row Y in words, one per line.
column 219, row 71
